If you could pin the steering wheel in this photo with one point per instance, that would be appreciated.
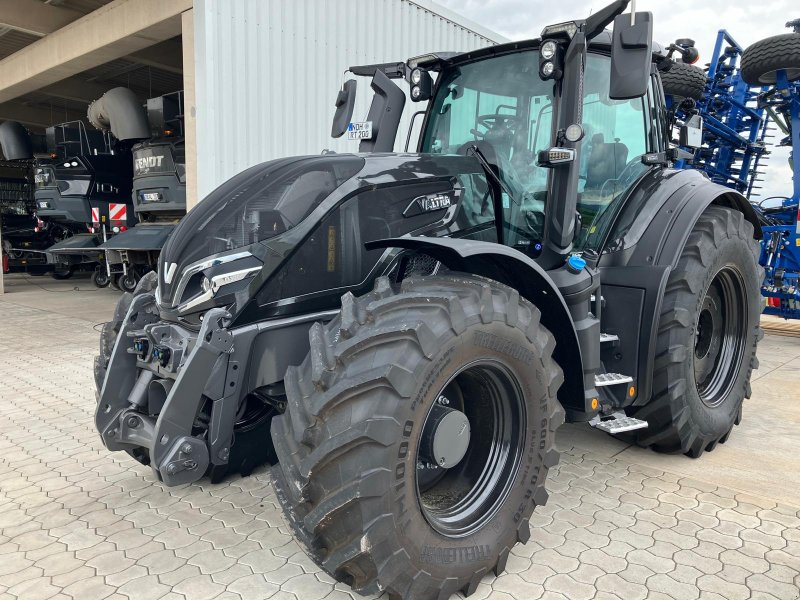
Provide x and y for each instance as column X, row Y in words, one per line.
column 494, row 122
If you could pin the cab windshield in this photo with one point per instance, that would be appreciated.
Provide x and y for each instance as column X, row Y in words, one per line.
column 501, row 107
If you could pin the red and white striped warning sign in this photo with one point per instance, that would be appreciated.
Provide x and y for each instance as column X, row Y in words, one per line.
column 117, row 212
column 95, row 215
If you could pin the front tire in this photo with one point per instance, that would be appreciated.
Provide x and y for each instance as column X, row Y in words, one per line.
column 358, row 425
column 100, row 278
column 128, row 281
column 707, row 337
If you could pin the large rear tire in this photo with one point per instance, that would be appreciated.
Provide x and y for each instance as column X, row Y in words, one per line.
column 357, row 445
column 707, row 337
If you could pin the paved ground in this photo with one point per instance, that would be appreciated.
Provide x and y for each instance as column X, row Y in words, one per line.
column 77, row 521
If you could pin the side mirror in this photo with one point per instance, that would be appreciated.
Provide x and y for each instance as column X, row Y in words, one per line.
column 691, row 132
column 345, row 101
column 631, row 55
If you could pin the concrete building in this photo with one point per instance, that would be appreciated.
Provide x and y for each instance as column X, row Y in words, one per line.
column 259, row 76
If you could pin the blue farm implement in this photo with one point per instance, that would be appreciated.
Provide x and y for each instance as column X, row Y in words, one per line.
column 751, row 103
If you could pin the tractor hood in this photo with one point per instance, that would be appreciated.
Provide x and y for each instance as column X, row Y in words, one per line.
column 260, row 203
column 317, row 211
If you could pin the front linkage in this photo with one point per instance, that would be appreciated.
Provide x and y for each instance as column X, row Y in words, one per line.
column 173, row 359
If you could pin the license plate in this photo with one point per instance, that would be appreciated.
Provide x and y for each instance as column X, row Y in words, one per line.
column 360, row 131
column 44, row 204
column 151, row 196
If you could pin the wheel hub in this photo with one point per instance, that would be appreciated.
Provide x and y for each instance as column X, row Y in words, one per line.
column 446, row 436
column 720, row 334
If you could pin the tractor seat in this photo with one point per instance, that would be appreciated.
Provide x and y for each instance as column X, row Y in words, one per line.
column 606, row 161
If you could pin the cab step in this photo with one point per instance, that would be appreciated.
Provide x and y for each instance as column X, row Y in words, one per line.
column 603, row 379
column 608, row 337
column 618, row 422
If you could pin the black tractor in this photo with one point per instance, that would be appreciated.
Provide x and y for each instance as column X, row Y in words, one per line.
column 403, row 334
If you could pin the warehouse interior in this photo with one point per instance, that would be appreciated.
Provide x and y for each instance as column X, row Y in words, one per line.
column 149, row 61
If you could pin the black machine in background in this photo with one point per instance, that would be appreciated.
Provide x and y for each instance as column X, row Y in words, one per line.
column 86, row 187
column 158, row 196
column 24, row 235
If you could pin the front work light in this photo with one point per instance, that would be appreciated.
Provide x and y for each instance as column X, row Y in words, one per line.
column 421, row 85
column 548, row 50
column 551, row 60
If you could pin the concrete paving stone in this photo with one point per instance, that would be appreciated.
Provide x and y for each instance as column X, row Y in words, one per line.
column 144, row 588
column 282, row 574
column 91, row 588
column 112, row 562
column 34, row 589
column 586, row 573
column 671, row 536
column 728, row 590
column 638, row 574
column 231, row 574
column 599, row 558
column 26, row 574
column 140, row 551
column 657, row 564
column 614, row 584
column 671, row 587
column 536, row 573
column 129, row 574
column 201, row 587
column 513, row 585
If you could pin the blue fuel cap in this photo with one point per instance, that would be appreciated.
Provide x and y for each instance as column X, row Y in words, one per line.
column 575, row 264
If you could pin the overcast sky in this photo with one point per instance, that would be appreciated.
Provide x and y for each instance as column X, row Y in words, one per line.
column 747, row 22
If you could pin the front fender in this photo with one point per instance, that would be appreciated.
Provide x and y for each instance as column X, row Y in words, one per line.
column 511, row 267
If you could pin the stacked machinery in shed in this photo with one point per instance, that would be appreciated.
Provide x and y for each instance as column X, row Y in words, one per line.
column 752, row 96
column 158, row 196
column 24, row 235
column 87, row 187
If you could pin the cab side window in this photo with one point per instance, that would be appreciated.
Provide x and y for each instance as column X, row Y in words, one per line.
column 615, row 138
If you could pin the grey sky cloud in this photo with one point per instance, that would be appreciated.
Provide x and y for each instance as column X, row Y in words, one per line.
column 746, row 21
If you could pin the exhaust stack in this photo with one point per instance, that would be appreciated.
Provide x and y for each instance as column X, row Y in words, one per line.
column 15, row 141
column 120, row 112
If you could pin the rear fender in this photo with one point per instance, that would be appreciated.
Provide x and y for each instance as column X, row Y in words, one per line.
column 511, row 267
column 652, row 249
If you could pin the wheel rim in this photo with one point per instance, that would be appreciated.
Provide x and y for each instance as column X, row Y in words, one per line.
column 101, row 278
column 459, row 500
column 128, row 282
column 720, row 334
column 771, row 77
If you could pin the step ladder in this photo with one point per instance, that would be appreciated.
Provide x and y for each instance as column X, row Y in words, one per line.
column 604, row 379
column 618, row 422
